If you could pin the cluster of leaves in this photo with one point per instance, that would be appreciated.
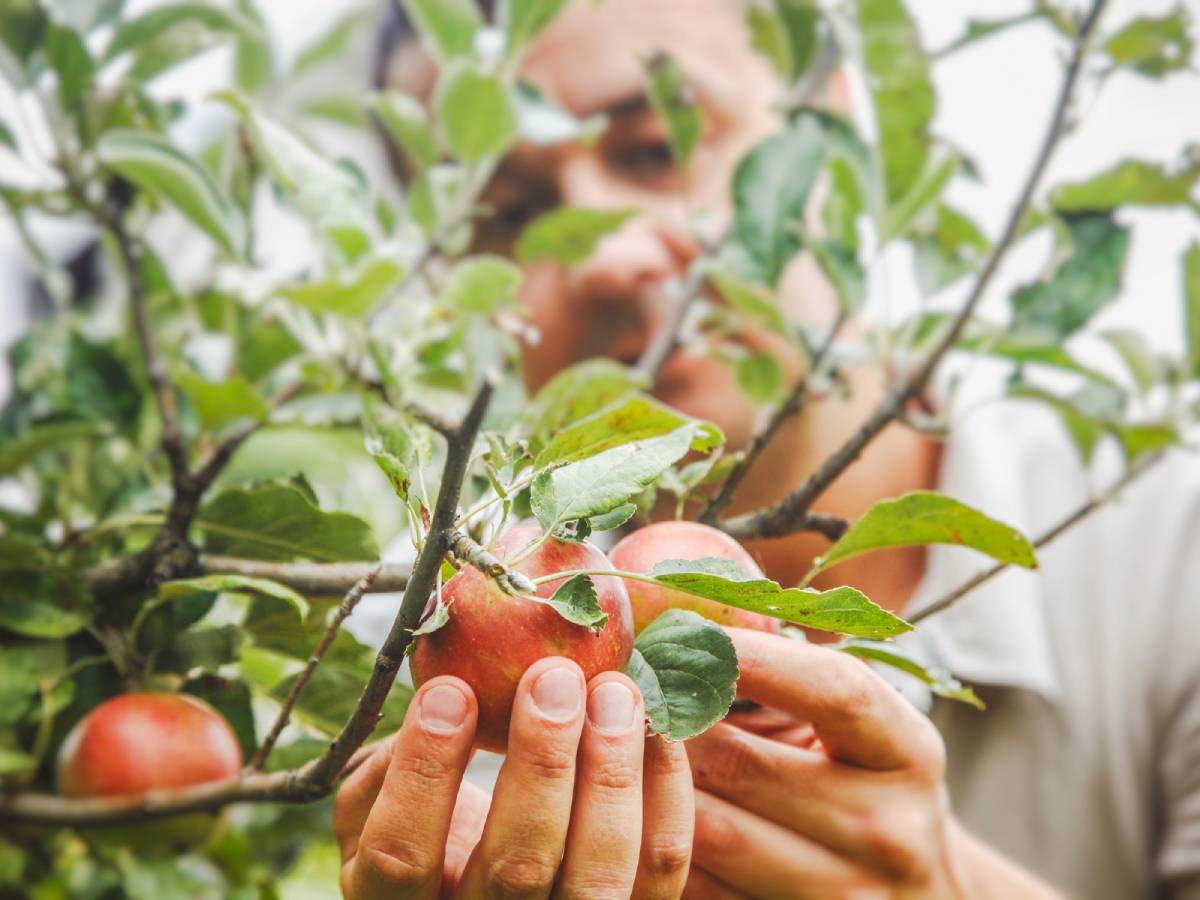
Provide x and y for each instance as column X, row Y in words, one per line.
column 394, row 311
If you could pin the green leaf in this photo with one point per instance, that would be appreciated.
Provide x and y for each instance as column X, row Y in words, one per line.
column 233, row 701
column 746, row 297
column 979, row 29
column 543, row 121
column 575, row 601
column 219, row 404
column 239, row 584
column 605, row 481
column 44, row 605
column 253, row 60
column 952, row 248
column 447, row 26
column 672, row 98
column 1088, row 279
column 1153, row 46
column 7, row 138
column 351, row 293
column 407, row 124
column 15, row 762
column 154, row 164
column 769, row 36
column 476, row 113
column 927, row 517
column 902, row 91
column 633, row 419
column 12, row 858
column 277, row 521
column 1129, row 183
column 785, row 32
column 940, row 167
column 614, row 518
column 573, row 394
column 1084, row 430
column 135, row 33
column 941, row 682
column 842, row 610
column 328, row 700
column 1137, row 440
column 759, row 377
column 99, row 385
column 1137, row 355
column 327, row 193
column 69, row 58
column 770, row 191
column 18, row 683
column 392, row 446
column 567, row 234
column 1191, row 309
column 201, row 649
column 839, row 264
column 525, row 19
column 329, row 46
column 482, row 284
column 16, row 452
column 686, row 669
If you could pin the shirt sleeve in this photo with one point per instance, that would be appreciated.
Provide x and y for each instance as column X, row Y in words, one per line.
column 1179, row 784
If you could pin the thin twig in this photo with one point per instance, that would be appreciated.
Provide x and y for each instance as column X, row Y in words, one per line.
column 664, row 341
column 424, row 574
column 789, row 407
column 475, row 554
column 346, row 607
column 782, row 517
column 1131, row 474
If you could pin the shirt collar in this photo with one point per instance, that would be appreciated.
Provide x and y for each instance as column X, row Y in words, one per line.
column 998, row 634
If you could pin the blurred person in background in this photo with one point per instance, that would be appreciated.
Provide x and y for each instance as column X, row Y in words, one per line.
column 1082, row 776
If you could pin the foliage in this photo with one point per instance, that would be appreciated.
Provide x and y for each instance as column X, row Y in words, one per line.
column 169, row 435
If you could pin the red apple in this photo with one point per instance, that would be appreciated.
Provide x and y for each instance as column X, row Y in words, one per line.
column 146, row 741
column 493, row 637
column 641, row 551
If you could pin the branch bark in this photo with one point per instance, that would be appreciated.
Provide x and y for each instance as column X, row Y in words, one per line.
column 1135, row 471
column 285, row 713
column 310, row 579
column 788, row 514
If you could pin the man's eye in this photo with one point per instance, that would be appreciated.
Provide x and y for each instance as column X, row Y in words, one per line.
column 643, row 160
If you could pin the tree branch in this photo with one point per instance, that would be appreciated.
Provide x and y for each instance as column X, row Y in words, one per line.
column 666, row 339
column 1134, row 472
column 784, row 517
column 472, row 553
column 310, row 579
column 344, row 609
column 459, row 444
column 791, row 406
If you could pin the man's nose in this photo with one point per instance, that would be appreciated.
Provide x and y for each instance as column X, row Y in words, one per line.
column 648, row 249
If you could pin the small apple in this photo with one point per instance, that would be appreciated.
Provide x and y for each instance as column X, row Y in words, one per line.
column 141, row 742
column 644, row 549
column 491, row 637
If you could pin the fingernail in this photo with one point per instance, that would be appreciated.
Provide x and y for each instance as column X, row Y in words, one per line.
column 556, row 694
column 611, row 708
column 443, row 709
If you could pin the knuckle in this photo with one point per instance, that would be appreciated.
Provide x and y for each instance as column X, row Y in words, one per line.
column 896, row 840
column 667, row 857
column 717, row 833
column 931, row 753
column 549, row 763
column 396, row 864
column 518, row 875
column 600, row 884
column 426, row 769
column 613, row 775
column 735, row 761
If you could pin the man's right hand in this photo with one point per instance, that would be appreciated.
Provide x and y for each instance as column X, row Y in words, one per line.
column 585, row 805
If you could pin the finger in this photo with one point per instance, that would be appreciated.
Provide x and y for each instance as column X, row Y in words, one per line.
column 702, row 886
column 402, row 848
column 766, row 861
column 668, row 816
column 881, row 819
column 857, row 715
column 357, row 795
column 466, row 828
column 526, row 828
column 605, row 835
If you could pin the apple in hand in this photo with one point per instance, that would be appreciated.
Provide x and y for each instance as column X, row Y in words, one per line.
column 644, row 549
column 142, row 742
column 491, row 637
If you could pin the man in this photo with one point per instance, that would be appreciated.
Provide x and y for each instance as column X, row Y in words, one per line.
column 1086, row 768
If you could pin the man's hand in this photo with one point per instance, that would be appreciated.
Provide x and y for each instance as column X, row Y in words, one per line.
column 850, row 803
column 579, row 789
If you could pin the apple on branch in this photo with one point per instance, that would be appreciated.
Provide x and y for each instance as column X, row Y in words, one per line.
column 490, row 638
column 641, row 551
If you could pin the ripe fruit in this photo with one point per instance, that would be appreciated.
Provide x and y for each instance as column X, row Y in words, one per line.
column 142, row 742
column 492, row 637
column 641, row 551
